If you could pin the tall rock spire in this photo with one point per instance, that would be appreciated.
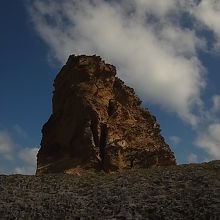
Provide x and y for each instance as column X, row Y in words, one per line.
column 98, row 123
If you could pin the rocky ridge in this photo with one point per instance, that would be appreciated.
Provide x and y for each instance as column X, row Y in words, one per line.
column 98, row 123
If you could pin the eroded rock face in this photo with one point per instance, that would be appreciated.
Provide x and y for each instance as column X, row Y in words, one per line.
column 98, row 123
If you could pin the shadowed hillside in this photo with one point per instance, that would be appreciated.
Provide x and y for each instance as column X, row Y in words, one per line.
column 175, row 192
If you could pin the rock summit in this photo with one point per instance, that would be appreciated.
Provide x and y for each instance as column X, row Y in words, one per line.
column 97, row 123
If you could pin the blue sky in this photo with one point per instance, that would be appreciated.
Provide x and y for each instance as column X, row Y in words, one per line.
column 169, row 51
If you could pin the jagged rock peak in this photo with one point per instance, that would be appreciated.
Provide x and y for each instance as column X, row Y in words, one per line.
column 97, row 123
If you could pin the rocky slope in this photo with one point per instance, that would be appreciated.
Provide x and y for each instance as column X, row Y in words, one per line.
column 98, row 123
column 175, row 192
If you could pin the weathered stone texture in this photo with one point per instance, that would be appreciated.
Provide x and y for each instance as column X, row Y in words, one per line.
column 98, row 123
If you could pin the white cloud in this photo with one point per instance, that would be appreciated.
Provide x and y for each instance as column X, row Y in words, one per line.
column 28, row 155
column 27, row 160
column 159, row 8
column 24, row 158
column 158, row 58
column 209, row 140
column 6, row 145
column 216, row 104
column 174, row 140
column 208, row 13
column 209, row 115
column 193, row 158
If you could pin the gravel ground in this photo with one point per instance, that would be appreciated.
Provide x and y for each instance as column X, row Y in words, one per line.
column 177, row 192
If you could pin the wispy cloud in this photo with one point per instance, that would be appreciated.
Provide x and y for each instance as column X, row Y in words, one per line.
column 209, row 140
column 20, row 131
column 216, row 104
column 25, row 170
column 23, row 159
column 6, row 145
column 193, row 158
column 208, row 13
column 175, row 140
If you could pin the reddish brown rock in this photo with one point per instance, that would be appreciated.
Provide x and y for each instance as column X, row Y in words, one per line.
column 98, row 123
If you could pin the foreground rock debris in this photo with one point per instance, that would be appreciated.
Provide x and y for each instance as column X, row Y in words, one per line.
column 168, row 193
column 98, row 123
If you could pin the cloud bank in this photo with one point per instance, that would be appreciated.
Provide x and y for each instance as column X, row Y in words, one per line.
column 155, row 45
